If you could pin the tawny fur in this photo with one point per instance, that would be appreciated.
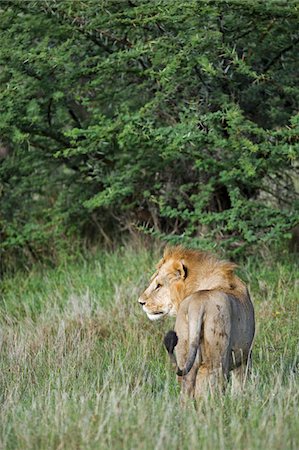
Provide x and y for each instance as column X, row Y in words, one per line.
column 215, row 317
column 206, row 272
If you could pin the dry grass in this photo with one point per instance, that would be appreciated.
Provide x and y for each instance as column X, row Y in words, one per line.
column 83, row 368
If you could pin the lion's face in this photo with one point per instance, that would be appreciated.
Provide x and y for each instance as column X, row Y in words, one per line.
column 166, row 287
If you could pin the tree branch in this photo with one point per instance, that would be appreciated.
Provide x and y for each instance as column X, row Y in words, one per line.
column 49, row 112
column 280, row 54
column 49, row 133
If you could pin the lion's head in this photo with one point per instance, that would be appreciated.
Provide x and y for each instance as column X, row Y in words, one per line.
column 166, row 286
column 182, row 272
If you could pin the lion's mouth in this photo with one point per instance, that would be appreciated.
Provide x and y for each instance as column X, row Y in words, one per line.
column 156, row 315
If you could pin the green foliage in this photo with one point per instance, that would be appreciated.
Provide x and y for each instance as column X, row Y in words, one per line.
column 83, row 368
column 178, row 118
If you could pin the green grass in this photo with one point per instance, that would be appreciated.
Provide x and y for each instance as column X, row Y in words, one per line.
column 83, row 368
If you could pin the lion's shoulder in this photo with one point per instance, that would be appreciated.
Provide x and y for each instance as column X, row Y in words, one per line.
column 206, row 272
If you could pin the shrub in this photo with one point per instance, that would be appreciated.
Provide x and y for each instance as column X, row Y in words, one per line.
column 177, row 118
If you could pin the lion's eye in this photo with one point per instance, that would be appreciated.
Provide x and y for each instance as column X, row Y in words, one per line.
column 158, row 286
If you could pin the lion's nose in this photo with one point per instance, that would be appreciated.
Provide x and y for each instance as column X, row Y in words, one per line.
column 141, row 302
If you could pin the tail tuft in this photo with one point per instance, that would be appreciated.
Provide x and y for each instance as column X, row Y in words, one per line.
column 170, row 341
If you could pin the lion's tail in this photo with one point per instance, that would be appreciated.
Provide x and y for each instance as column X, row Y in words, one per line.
column 171, row 340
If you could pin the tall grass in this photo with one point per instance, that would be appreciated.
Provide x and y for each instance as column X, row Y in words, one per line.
column 81, row 366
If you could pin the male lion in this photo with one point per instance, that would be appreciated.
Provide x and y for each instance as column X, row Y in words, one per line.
column 215, row 324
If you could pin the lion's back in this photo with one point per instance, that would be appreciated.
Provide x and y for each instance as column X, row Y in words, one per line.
column 227, row 321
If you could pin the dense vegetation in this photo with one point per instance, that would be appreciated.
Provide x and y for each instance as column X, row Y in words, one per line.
column 179, row 118
column 83, row 368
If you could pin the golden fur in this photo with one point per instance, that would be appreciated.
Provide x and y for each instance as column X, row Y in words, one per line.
column 206, row 272
column 215, row 318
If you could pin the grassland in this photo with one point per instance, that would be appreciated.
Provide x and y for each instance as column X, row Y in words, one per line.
column 83, row 368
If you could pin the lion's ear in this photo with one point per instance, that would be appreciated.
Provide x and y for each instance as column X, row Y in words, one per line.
column 181, row 270
column 185, row 271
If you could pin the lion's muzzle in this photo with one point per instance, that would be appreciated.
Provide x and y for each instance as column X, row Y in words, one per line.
column 141, row 301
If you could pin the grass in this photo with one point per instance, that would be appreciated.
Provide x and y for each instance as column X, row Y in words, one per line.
column 83, row 368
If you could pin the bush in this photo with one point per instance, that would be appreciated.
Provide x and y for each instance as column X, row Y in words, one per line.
column 179, row 119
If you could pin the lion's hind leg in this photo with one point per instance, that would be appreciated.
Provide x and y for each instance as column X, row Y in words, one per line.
column 188, row 385
column 240, row 374
column 210, row 380
column 212, row 374
column 187, row 382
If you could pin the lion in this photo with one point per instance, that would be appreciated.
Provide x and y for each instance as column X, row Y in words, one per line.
column 215, row 322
